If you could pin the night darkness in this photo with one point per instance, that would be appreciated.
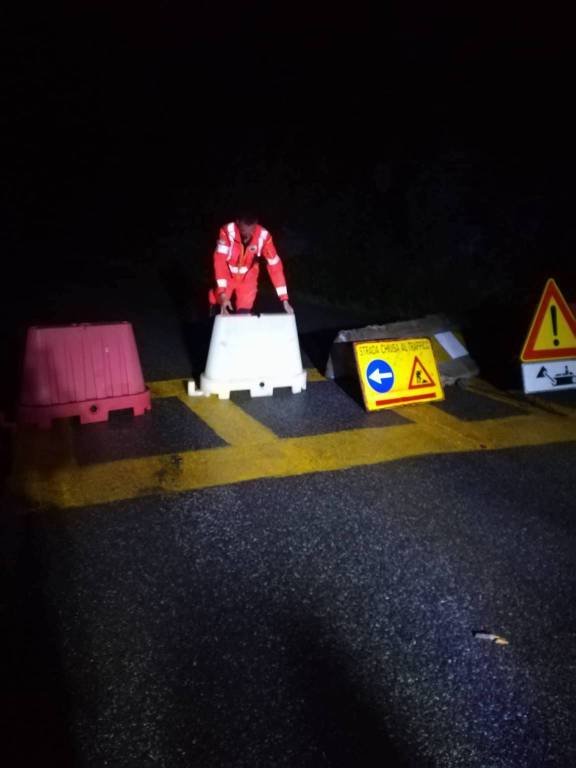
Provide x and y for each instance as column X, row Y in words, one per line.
column 411, row 161
column 419, row 161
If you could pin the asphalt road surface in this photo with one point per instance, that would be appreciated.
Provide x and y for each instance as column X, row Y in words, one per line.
column 291, row 581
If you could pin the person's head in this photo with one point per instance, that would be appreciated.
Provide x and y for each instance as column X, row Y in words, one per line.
column 247, row 222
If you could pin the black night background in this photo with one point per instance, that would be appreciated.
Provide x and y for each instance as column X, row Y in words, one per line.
column 408, row 158
column 416, row 160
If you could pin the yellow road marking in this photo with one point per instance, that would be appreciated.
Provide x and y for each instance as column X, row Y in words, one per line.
column 229, row 421
column 314, row 375
column 509, row 432
column 484, row 389
column 548, row 405
column 40, row 458
column 440, row 423
column 432, row 433
column 528, row 403
column 46, row 472
column 224, row 417
column 171, row 388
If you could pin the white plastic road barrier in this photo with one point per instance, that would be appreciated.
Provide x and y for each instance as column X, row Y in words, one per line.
column 251, row 352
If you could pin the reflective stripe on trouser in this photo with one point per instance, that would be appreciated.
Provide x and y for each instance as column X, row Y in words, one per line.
column 245, row 289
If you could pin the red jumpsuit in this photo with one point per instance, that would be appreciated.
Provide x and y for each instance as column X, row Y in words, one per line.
column 236, row 266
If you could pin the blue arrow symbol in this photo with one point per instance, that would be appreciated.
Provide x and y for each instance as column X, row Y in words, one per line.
column 379, row 375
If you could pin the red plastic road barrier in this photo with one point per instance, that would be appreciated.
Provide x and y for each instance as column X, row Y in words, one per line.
column 84, row 370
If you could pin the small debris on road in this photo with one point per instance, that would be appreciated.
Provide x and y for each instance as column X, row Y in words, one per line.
column 496, row 639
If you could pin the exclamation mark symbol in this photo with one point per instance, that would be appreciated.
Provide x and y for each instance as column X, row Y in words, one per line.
column 554, row 324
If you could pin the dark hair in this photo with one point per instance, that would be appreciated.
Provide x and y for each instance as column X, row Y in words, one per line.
column 247, row 216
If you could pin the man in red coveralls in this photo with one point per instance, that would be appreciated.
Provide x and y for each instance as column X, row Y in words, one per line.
column 241, row 246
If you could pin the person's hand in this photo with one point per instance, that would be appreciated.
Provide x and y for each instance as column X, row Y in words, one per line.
column 225, row 305
column 287, row 308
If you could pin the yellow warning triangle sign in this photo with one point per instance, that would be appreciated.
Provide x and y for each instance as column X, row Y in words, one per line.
column 552, row 334
column 420, row 376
